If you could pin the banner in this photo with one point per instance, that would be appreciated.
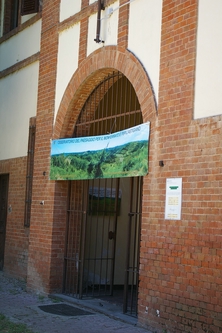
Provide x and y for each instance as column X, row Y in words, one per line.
column 121, row 154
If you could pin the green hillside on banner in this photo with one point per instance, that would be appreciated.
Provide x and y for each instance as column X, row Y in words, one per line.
column 128, row 160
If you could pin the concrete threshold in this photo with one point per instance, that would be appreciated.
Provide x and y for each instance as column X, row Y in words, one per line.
column 98, row 305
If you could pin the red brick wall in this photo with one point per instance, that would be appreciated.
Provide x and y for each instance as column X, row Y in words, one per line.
column 181, row 260
column 90, row 73
column 47, row 221
column 123, row 23
column 83, row 33
column 180, row 269
column 16, row 244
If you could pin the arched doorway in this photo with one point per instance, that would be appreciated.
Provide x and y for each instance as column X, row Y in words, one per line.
column 104, row 215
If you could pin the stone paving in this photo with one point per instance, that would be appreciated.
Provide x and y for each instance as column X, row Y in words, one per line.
column 23, row 307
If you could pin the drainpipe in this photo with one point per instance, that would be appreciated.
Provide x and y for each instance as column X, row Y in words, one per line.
column 100, row 7
column 2, row 6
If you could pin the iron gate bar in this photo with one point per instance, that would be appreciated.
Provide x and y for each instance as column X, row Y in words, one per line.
column 100, row 258
column 83, row 235
column 139, row 234
column 136, row 243
column 96, row 244
column 128, row 253
column 72, row 261
column 112, row 106
column 84, row 242
column 107, row 257
column 136, row 246
column 101, row 248
column 88, row 222
column 134, row 249
column 115, row 228
column 110, row 117
column 139, row 216
column 66, row 239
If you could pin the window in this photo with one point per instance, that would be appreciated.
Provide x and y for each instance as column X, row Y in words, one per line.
column 14, row 14
column 29, row 7
column 10, row 15
column 14, row 9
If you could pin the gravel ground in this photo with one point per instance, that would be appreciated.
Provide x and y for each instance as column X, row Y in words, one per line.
column 23, row 307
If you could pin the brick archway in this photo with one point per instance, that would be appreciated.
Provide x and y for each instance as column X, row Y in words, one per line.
column 90, row 72
column 88, row 75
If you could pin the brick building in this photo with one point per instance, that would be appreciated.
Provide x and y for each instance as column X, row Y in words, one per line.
column 79, row 68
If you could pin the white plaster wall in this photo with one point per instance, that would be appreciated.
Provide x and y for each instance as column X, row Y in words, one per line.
column 69, row 8
column 68, row 55
column 15, row 49
column 208, row 96
column 109, row 28
column 18, row 102
column 91, row 1
column 25, row 18
column 145, row 36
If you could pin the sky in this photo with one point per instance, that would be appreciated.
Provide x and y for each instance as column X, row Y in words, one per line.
column 78, row 145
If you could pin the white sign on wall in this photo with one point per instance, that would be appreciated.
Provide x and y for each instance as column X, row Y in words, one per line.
column 173, row 199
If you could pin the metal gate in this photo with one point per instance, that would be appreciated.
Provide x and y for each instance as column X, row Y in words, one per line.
column 104, row 215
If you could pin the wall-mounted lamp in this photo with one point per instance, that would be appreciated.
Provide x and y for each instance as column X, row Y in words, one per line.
column 161, row 164
column 44, row 173
column 100, row 7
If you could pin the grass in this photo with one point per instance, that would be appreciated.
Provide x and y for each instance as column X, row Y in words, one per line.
column 6, row 326
column 14, row 291
column 41, row 298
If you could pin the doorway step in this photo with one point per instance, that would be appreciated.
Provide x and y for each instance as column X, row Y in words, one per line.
column 110, row 309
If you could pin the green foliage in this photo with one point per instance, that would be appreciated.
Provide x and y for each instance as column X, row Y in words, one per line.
column 41, row 297
column 127, row 160
column 6, row 326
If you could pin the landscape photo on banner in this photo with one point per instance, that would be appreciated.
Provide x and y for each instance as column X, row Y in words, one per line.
column 121, row 154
